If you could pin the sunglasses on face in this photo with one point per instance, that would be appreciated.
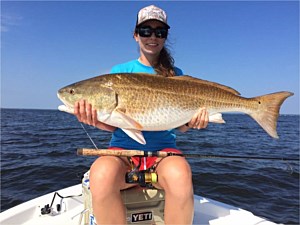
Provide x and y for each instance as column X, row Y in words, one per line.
column 159, row 32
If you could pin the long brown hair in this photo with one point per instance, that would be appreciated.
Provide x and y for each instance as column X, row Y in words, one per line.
column 165, row 64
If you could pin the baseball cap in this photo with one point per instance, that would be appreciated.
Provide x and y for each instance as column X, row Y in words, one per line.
column 152, row 12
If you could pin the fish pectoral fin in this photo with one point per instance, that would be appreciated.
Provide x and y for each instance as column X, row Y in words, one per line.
column 120, row 114
column 216, row 118
column 135, row 135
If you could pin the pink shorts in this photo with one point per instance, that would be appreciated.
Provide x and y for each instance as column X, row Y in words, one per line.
column 147, row 162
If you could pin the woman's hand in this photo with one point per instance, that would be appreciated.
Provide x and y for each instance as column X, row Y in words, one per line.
column 198, row 121
column 85, row 114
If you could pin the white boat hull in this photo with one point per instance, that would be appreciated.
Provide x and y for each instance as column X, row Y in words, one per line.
column 207, row 211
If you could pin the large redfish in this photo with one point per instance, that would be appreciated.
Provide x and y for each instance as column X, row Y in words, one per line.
column 136, row 102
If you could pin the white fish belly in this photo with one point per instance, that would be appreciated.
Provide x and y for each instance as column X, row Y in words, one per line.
column 163, row 118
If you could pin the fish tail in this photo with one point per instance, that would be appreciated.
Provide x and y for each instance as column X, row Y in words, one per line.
column 268, row 111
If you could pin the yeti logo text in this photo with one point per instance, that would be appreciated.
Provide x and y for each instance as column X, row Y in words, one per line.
column 136, row 217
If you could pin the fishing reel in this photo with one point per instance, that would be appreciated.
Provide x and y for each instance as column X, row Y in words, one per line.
column 145, row 178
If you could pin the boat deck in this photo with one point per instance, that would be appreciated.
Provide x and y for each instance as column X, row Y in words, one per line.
column 72, row 211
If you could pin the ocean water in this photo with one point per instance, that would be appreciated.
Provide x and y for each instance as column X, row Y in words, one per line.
column 38, row 156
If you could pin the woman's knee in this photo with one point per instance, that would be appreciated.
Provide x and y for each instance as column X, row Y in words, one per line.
column 174, row 173
column 107, row 174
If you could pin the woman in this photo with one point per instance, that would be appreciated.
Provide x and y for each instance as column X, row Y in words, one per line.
column 175, row 177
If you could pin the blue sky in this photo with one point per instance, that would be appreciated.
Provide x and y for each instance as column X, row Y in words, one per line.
column 250, row 46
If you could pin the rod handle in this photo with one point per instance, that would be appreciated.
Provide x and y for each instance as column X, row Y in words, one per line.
column 108, row 152
column 117, row 152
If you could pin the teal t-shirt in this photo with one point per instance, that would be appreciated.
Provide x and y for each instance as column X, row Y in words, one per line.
column 156, row 140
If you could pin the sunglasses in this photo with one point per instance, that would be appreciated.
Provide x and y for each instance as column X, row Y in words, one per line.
column 159, row 32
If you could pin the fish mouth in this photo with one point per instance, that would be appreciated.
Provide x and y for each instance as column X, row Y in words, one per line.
column 66, row 107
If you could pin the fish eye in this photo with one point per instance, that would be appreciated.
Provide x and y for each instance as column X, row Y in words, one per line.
column 72, row 91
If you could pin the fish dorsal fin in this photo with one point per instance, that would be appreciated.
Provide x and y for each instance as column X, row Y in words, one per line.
column 194, row 79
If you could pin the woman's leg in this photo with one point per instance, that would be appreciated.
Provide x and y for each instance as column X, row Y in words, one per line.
column 175, row 177
column 107, row 178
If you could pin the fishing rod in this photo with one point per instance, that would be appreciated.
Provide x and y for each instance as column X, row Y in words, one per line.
column 161, row 154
